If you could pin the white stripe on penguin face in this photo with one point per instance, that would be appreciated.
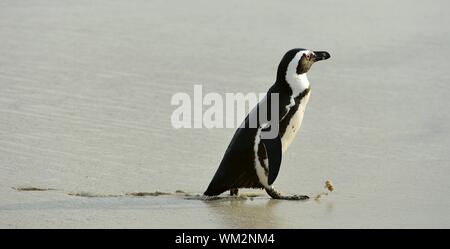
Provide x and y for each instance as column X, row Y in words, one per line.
column 297, row 82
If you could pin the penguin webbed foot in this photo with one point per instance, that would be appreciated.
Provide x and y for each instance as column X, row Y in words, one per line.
column 277, row 195
column 234, row 192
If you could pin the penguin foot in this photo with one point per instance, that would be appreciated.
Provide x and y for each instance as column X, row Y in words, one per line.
column 277, row 195
column 234, row 191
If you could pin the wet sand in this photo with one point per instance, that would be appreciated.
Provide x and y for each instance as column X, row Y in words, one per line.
column 85, row 91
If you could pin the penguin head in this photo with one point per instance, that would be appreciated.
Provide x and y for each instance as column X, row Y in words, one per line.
column 298, row 61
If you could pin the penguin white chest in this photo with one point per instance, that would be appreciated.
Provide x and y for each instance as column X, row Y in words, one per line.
column 294, row 124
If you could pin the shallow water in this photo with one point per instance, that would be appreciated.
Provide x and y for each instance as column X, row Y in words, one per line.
column 85, row 92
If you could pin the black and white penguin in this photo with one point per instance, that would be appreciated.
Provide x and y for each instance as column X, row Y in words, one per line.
column 253, row 162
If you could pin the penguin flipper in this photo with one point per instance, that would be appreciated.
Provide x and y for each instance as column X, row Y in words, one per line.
column 274, row 154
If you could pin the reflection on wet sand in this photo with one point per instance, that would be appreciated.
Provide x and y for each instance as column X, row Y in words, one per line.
column 246, row 213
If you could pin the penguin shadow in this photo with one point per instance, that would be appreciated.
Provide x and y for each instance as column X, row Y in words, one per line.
column 242, row 211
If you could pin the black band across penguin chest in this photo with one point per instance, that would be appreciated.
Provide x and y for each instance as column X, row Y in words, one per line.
column 286, row 120
column 284, row 124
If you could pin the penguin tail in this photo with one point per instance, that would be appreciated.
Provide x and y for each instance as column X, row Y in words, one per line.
column 213, row 190
column 210, row 193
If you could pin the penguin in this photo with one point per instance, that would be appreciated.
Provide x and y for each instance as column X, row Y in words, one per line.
column 251, row 161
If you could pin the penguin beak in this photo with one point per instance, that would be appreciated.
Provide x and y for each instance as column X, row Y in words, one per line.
column 321, row 55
